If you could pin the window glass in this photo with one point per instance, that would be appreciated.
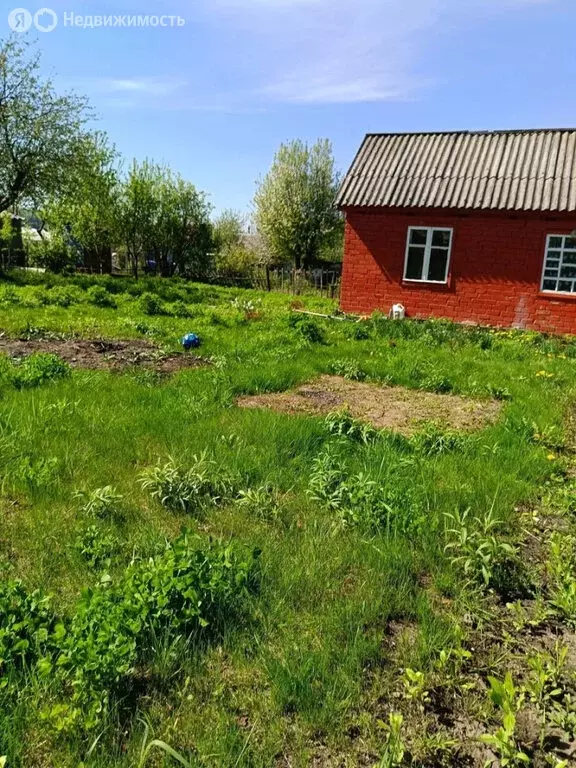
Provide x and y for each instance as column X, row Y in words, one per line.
column 418, row 236
column 438, row 263
column 560, row 263
column 428, row 254
column 441, row 238
column 415, row 263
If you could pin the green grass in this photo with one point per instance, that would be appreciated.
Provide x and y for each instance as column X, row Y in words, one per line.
column 291, row 676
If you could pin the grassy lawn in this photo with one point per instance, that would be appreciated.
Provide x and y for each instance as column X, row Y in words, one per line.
column 254, row 588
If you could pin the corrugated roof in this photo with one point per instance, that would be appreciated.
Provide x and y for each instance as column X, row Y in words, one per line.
column 504, row 170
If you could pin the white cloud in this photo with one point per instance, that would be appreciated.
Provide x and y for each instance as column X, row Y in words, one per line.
column 249, row 55
column 342, row 51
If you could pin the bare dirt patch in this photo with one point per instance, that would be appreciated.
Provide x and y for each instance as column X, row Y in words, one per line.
column 395, row 408
column 101, row 354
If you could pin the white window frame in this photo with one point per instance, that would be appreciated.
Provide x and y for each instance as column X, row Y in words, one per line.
column 427, row 252
column 557, row 278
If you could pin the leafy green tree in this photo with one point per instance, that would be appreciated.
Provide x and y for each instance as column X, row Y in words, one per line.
column 182, row 237
column 166, row 218
column 85, row 219
column 137, row 214
column 294, row 203
column 40, row 130
column 227, row 229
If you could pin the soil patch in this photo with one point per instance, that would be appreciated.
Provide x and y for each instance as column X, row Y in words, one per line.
column 395, row 408
column 101, row 354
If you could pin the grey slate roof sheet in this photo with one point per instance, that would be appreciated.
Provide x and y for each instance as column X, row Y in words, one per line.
column 503, row 170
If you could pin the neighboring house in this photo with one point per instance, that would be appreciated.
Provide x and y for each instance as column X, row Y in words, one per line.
column 472, row 226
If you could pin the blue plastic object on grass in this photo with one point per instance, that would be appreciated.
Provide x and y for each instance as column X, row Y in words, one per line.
column 190, row 341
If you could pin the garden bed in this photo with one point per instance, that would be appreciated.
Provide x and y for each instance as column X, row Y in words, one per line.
column 103, row 354
column 395, row 408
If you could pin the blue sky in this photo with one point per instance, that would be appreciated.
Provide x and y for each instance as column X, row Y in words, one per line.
column 215, row 97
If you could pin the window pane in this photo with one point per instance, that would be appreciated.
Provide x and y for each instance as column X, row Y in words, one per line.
column 441, row 239
column 415, row 263
column 568, row 271
column 569, row 257
column 570, row 242
column 553, row 255
column 549, row 285
column 565, row 286
column 418, row 236
column 551, row 273
column 555, row 242
column 438, row 262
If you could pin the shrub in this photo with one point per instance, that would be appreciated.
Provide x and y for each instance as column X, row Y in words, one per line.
column 100, row 297
column 348, row 369
column 187, row 490
column 64, row 297
column 342, row 424
column 9, row 296
column 437, row 383
column 151, row 305
column 363, row 501
column 188, row 589
column 262, row 502
column 180, row 309
column 434, row 440
column 475, row 546
column 360, row 331
column 312, row 332
column 97, row 546
column 26, row 626
column 103, row 503
column 38, row 369
column 307, row 327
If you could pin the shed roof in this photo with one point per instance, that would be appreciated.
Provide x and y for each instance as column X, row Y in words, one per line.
column 531, row 170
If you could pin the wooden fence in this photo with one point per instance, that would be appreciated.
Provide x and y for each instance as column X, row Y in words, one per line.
column 325, row 282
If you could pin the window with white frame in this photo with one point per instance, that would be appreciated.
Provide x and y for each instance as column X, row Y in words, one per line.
column 559, row 273
column 428, row 254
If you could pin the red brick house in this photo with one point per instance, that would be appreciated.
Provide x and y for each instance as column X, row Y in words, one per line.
column 474, row 226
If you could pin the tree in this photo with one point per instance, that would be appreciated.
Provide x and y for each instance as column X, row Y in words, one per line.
column 165, row 218
column 138, row 211
column 294, row 203
column 86, row 218
column 228, row 229
column 39, row 129
column 182, row 236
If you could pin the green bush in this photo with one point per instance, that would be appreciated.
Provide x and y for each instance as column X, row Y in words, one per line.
column 307, row 328
column 364, row 501
column 97, row 546
column 38, row 369
column 100, row 297
column 151, row 305
column 26, row 625
column 9, row 296
column 342, row 424
column 180, row 309
column 65, row 297
column 433, row 440
column 348, row 369
column 191, row 588
column 184, row 489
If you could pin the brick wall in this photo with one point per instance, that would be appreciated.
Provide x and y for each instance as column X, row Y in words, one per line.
column 495, row 268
